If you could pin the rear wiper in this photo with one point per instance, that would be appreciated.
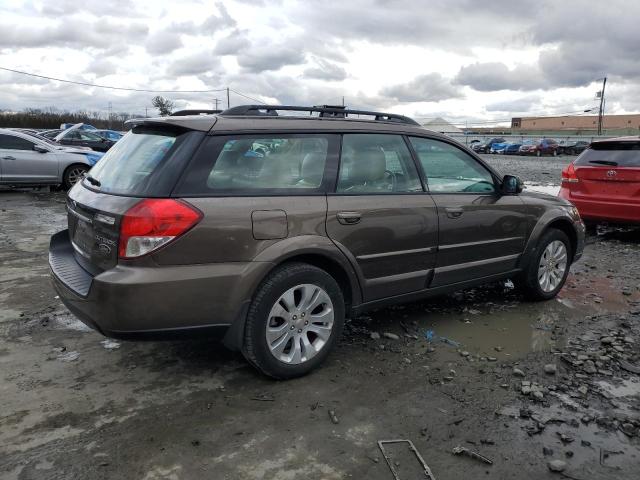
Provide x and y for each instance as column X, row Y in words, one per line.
column 93, row 181
column 604, row 162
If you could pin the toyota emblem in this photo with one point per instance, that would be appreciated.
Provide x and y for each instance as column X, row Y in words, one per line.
column 611, row 173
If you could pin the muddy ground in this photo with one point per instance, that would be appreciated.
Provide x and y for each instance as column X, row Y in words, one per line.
column 466, row 370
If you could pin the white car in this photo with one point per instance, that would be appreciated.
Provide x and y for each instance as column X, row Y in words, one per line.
column 33, row 160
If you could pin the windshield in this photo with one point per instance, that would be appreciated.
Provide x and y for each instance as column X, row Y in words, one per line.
column 128, row 167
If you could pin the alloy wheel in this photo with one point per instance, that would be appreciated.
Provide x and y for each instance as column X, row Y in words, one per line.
column 300, row 324
column 553, row 265
column 75, row 175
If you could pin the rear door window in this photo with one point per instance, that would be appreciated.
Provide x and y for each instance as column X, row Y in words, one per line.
column 611, row 154
column 376, row 164
column 258, row 164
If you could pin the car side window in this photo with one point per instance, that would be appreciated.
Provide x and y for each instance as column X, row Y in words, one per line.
column 449, row 169
column 9, row 142
column 376, row 164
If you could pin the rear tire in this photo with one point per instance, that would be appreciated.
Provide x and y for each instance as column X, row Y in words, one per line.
column 294, row 321
column 73, row 174
column 546, row 274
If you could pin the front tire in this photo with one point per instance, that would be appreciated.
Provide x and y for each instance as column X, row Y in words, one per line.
column 73, row 174
column 294, row 321
column 547, row 272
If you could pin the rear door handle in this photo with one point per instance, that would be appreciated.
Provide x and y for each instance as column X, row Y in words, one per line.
column 454, row 212
column 349, row 218
column 9, row 158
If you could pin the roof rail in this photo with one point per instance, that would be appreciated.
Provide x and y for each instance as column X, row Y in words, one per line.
column 330, row 111
column 182, row 113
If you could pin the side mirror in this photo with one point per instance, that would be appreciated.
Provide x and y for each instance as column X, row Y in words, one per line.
column 40, row 149
column 511, row 185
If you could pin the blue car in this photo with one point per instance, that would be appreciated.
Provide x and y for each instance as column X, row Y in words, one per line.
column 512, row 149
column 498, row 147
column 109, row 134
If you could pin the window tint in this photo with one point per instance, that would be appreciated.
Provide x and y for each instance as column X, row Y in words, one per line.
column 451, row 170
column 128, row 167
column 90, row 137
column 9, row 142
column 265, row 163
column 372, row 163
column 611, row 154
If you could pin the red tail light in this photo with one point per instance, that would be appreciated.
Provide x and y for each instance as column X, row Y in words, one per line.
column 152, row 223
column 569, row 174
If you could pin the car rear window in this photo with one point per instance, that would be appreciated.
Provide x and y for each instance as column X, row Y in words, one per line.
column 260, row 165
column 615, row 154
column 134, row 164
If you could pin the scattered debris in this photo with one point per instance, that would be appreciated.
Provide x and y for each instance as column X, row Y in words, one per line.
column 426, row 469
column 69, row 356
column 110, row 344
column 550, row 368
column 263, row 397
column 465, row 451
column 375, row 336
column 629, row 367
column 390, row 336
column 557, row 466
column 333, row 417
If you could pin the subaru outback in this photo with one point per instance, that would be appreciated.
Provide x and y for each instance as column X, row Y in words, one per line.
column 275, row 227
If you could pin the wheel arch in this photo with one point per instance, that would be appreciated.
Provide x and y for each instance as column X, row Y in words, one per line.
column 318, row 253
column 558, row 222
column 71, row 165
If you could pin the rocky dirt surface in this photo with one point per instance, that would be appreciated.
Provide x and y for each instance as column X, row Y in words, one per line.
column 542, row 390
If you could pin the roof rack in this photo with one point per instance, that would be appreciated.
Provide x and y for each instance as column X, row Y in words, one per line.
column 183, row 113
column 330, row 111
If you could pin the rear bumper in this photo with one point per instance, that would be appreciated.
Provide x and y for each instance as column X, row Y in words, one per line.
column 611, row 211
column 154, row 302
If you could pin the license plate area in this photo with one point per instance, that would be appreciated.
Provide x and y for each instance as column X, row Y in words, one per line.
column 82, row 238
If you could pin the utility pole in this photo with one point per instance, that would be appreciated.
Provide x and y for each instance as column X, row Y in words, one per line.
column 228, row 103
column 601, row 110
column 146, row 112
column 110, row 114
column 217, row 100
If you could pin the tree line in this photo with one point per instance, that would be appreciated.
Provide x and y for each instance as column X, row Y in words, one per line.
column 52, row 117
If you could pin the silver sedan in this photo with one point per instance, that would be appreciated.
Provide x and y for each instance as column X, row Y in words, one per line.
column 27, row 159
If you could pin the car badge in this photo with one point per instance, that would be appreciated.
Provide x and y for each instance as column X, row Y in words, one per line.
column 611, row 173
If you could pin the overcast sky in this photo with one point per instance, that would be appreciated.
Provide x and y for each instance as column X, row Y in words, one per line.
column 465, row 60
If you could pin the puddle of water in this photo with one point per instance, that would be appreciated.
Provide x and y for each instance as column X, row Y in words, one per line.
column 591, row 444
column 549, row 189
column 514, row 328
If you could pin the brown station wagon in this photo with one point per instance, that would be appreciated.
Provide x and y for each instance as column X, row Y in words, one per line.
column 275, row 227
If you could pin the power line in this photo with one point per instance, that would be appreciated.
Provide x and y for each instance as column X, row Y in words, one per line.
column 247, row 96
column 86, row 84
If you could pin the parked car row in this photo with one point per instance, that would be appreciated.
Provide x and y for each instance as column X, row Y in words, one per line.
column 30, row 159
column 545, row 146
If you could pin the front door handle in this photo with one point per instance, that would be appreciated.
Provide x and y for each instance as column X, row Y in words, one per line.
column 454, row 212
column 9, row 158
column 349, row 218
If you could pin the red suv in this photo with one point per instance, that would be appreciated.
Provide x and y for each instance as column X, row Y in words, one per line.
column 604, row 181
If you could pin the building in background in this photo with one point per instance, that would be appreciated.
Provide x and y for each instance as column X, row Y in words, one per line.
column 441, row 125
column 577, row 125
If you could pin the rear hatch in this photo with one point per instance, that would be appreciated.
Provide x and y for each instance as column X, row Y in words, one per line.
column 146, row 163
column 609, row 171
